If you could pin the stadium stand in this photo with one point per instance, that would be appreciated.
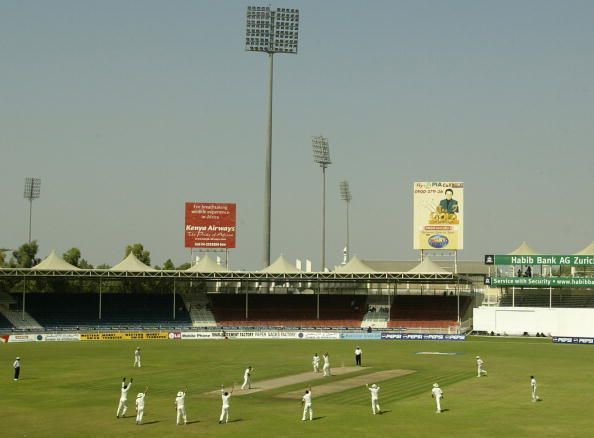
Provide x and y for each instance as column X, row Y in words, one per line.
column 288, row 310
column 433, row 311
column 5, row 324
column 55, row 310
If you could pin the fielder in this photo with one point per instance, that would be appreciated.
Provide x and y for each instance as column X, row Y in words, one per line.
column 140, row 405
column 225, row 396
column 306, row 402
column 326, row 368
column 17, row 368
column 180, row 406
column 533, row 387
column 247, row 378
column 374, row 398
column 123, row 405
column 479, row 367
column 316, row 363
column 437, row 394
column 137, row 357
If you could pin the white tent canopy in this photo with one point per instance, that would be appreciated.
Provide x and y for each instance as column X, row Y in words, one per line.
column 280, row 266
column 206, row 264
column 524, row 249
column 588, row 250
column 355, row 265
column 131, row 264
column 427, row 266
column 53, row 262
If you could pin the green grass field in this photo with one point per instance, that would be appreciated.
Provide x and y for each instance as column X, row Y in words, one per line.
column 72, row 389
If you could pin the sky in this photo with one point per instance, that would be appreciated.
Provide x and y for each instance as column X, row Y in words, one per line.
column 127, row 110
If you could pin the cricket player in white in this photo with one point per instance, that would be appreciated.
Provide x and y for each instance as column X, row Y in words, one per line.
column 306, row 402
column 374, row 398
column 180, row 406
column 326, row 368
column 123, row 405
column 247, row 378
column 437, row 394
column 479, row 367
column 535, row 397
column 316, row 363
column 17, row 368
column 140, row 405
column 137, row 357
column 225, row 396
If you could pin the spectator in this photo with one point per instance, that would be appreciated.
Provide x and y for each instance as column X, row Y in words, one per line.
column 528, row 272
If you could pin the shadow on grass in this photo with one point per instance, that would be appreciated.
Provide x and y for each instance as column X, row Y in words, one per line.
column 150, row 422
column 235, row 420
column 192, row 422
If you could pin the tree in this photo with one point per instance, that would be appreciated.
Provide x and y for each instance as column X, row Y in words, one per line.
column 2, row 259
column 72, row 256
column 25, row 255
column 141, row 254
column 168, row 265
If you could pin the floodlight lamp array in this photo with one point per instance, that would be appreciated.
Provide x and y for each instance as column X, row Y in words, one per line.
column 272, row 31
column 321, row 151
column 32, row 188
column 345, row 191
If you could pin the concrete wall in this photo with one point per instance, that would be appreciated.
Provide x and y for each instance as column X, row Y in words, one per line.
column 517, row 320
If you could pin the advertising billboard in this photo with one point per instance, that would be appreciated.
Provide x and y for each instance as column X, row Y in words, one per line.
column 438, row 215
column 210, row 225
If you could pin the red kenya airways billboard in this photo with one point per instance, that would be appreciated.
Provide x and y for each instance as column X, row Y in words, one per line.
column 210, row 225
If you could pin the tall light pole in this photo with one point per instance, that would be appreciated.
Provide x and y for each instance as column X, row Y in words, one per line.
column 346, row 196
column 32, row 191
column 270, row 31
column 321, row 153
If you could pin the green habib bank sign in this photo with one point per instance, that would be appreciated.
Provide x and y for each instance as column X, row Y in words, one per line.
column 561, row 260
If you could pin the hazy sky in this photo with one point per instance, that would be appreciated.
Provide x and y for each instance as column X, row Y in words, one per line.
column 128, row 109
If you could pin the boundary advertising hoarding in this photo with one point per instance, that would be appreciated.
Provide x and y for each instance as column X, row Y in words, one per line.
column 438, row 215
column 210, row 225
column 549, row 260
column 587, row 282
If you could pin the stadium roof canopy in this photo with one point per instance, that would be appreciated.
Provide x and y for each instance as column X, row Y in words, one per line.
column 54, row 262
column 428, row 267
column 281, row 265
column 524, row 249
column 206, row 264
column 588, row 250
column 132, row 264
column 355, row 264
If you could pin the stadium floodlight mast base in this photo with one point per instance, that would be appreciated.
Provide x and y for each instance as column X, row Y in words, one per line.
column 270, row 31
column 346, row 196
column 321, row 153
column 32, row 191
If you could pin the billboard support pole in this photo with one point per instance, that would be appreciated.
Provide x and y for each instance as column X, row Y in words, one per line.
column 246, row 303
column 174, row 299
column 100, row 298
column 318, row 303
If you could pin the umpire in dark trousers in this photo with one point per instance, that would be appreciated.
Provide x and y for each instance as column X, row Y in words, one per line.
column 358, row 354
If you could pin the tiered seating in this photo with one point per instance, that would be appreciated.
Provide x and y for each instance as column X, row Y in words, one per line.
column 288, row 310
column 5, row 323
column 422, row 311
column 83, row 309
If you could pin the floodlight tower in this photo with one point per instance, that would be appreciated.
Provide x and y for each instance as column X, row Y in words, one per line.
column 346, row 196
column 32, row 191
column 270, row 31
column 321, row 153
